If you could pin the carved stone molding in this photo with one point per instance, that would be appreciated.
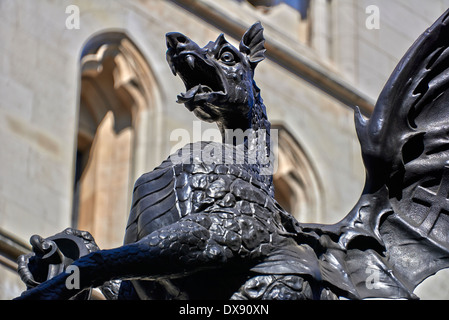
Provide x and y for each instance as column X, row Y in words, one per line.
column 297, row 185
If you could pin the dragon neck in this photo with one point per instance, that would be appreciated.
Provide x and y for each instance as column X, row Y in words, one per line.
column 262, row 141
column 256, row 132
column 258, row 114
column 260, row 126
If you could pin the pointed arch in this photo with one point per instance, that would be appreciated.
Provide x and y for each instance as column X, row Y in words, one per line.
column 116, row 88
column 297, row 185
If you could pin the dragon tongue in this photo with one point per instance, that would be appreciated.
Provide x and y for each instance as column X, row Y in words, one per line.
column 189, row 95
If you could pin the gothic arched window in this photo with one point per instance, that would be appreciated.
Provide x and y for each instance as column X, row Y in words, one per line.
column 297, row 185
column 116, row 86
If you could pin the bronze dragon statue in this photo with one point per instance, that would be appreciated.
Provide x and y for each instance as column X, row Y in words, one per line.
column 205, row 224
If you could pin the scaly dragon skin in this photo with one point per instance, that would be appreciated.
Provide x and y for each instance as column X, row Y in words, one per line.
column 201, row 229
column 212, row 229
column 220, row 249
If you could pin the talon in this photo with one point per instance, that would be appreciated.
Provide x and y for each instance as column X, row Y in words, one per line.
column 39, row 244
column 24, row 272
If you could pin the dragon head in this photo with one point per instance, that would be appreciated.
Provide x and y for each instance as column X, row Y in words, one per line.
column 218, row 77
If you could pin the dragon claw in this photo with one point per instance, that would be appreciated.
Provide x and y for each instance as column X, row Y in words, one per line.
column 24, row 272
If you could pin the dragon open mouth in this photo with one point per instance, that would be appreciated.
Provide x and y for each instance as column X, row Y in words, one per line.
column 201, row 80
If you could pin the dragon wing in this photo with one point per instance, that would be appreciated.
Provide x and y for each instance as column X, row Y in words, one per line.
column 398, row 233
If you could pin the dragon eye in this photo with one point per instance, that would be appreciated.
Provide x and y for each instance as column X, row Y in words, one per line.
column 227, row 57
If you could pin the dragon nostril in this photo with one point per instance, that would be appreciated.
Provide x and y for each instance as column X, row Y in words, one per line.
column 181, row 39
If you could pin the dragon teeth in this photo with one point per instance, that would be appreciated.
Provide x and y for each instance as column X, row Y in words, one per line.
column 190, row 61
column 173, row 69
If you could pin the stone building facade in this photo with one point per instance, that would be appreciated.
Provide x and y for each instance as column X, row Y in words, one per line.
column 88, row 103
